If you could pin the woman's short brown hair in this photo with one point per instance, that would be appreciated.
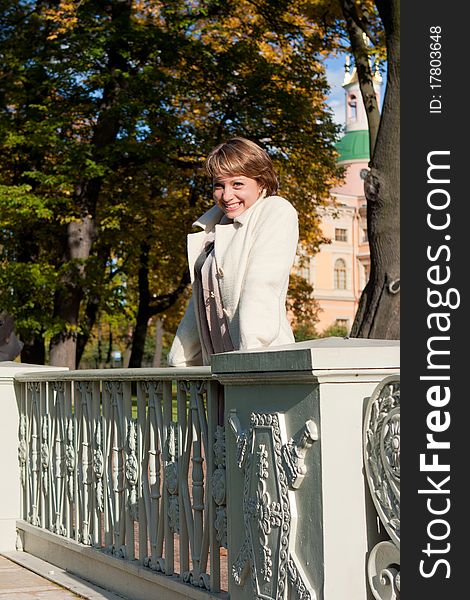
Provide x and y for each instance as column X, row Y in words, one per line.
column 239, row 156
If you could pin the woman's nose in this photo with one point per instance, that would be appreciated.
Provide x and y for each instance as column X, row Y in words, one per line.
column 227, row 194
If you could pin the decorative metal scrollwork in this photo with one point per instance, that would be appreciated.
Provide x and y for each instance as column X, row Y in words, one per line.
column 219, row 487
column 70, row 457
column 383, row 569
column 132, row 468
column 22, row 449
column 171, row 477
column 98, row 466
column 45, row 453
column 220, row 524
column 115, row 390
column 382, row 467
column 270, row 468
column 293, row 454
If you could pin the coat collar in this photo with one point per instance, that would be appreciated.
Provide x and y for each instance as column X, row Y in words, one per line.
column 209, row 219
column 212, row 217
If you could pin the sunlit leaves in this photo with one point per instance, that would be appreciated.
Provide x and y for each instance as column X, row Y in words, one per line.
column 17, row 202
column 128, row 106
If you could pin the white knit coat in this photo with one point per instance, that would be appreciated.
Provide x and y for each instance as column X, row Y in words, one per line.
column 254, row 256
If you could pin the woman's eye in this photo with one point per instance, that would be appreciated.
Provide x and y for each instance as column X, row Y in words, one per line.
column 237, row 184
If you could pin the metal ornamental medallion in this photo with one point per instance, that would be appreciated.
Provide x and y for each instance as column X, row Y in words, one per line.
column 272, row 466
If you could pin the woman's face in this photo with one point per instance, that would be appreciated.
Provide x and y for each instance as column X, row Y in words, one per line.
column 235, row 194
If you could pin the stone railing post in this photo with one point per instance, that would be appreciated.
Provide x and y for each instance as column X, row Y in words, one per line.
column 300, row 519
column 9, row 432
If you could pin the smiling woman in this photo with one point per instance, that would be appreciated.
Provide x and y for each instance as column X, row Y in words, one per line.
column 235, row 194
column 241, row 260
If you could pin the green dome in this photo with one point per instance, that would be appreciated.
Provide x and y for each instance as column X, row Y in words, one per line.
column 354, row 145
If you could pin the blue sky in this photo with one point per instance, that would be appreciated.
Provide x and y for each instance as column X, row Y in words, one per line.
column 335, row 76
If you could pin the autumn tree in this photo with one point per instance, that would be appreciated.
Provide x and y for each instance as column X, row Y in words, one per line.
column 244, row 78
column 370, row 31
column 378, row 315
column 302, row 308
column 107, row 112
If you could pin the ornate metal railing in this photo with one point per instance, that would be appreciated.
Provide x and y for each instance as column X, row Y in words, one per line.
column 130, row 462
column 382, row 467
column 136, row 464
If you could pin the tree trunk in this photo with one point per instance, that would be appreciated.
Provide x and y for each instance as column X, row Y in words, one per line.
column 128, row 348
column 138, row 340
column 34, row 350
column 91, row 314
column 157, row 357
column 378, row 315
column 364, row 72
column 109, row 354
column 143, row 314
column 81, row 233
column 149, row 306
column 93, row 302
column 63, row 348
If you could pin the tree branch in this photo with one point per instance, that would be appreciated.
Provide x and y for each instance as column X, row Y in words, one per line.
column 364, row 71
column 165, row 301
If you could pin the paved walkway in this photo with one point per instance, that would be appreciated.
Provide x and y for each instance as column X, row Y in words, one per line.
column 19, row 583
column 25, row 577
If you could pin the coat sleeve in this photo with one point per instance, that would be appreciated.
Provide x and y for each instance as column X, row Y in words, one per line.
column 263, row 295
column 186, row 348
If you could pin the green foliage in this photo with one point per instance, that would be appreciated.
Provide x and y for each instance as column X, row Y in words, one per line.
column 33, row 306
column 302, row 308
column 17, row 202
column 307, row 331
column 107, row 111
column 335, row 331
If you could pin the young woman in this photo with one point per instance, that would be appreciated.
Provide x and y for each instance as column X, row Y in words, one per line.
column 241, row 260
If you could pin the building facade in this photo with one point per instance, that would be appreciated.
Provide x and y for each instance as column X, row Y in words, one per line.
column 340, row 270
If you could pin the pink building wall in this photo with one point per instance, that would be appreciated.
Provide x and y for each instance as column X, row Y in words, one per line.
column 338, row 293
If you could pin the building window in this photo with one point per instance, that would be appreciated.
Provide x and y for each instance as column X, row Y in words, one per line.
column 365, row 235
column 352, row 104
column 341, row 235
column 304, row 272
column 303, row 266
column 340, row 274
